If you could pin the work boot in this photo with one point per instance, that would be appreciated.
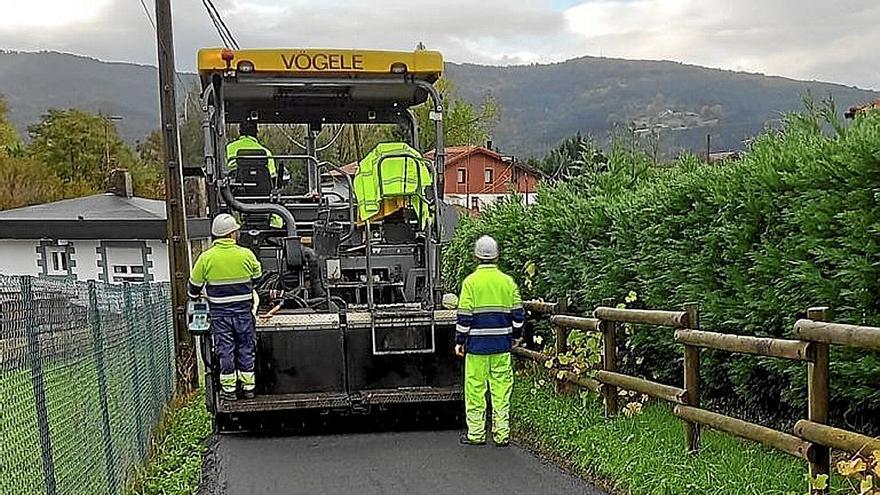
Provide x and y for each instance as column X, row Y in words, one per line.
column 464, row 440
column 503, row 443
column 248, row 394
column 227, row 396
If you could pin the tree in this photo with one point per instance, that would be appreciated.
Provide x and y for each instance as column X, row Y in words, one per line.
column 9, row 139
column 576, row 156
column 80, row 147
column 357, row 140
column 24, row 182
column 463, row 123
column 192, row 136
column 148, row 175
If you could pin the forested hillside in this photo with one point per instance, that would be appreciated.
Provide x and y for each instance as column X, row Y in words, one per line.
column 541, row 104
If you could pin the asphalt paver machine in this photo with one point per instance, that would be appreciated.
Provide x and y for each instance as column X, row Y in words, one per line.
column 350, row 314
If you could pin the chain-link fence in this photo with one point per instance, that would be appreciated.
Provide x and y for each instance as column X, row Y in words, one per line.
column 85, row 371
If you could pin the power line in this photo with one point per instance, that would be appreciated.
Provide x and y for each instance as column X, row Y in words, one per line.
column 217, row 27
column 222, row 29
column 216, row 24
column 219, row 24
column 149, row 16
column 223, row 24
column 338, row 133
column 291, row 138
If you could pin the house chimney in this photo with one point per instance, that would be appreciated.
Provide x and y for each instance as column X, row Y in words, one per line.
column 120, row 183
column 489, row 145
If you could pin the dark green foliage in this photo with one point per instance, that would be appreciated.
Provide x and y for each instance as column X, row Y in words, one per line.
column 176, row 465
column 795, row 223
column 644, row 454
column 577, row 156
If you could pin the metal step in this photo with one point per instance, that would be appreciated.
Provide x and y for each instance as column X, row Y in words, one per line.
column 283, row 402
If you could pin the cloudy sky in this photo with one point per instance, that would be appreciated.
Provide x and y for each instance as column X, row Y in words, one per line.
column 830, row 40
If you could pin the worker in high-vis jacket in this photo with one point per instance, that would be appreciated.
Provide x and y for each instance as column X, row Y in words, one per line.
column 226, row 272
column 247, row 140
column 490, row 321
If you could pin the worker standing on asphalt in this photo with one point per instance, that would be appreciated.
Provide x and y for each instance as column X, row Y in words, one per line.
column 227, row 273
column 247, row 140
column 490, row 320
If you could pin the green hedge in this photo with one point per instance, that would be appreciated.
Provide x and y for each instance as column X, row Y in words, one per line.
column 795, row 223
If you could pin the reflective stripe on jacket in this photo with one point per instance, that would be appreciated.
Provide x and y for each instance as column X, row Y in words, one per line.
column 226, row 271
column 245, row 142
column 490, row 312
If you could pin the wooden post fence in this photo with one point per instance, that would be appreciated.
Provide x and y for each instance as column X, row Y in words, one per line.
column 692, row 378
column 817, row 397
column 812, row 440
column 609, row 361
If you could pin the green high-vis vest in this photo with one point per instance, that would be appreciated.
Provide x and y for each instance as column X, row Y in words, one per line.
column 381, row 175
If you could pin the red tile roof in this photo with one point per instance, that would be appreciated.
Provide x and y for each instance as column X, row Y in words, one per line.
column 456, row 153
column 860, row 109
column 453, row 155
column 349, row 169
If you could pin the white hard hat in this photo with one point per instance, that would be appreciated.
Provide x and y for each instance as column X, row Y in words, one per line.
column 486, row 248
column 223, row 225
column 450, row 301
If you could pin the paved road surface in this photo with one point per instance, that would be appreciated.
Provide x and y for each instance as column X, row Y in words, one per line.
column 418, row 462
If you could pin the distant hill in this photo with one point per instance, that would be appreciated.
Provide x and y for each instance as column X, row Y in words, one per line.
column 541, row 104
column 35, row 82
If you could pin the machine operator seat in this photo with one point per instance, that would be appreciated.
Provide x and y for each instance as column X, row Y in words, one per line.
column 252, row 173
column 252, row 179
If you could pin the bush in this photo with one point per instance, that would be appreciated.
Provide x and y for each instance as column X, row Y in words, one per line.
column 795, row 223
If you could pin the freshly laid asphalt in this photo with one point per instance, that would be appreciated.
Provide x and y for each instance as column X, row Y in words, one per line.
column 411, row 462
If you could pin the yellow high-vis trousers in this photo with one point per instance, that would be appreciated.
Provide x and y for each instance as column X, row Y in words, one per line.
column 496, row 372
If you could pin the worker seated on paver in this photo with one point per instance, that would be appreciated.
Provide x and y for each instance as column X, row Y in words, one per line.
column 226, row 272
column 490, row 321
column 247, row 141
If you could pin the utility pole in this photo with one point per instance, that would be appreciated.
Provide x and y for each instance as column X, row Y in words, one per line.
column 708, row 148
column 178, row 245
column 107, row 119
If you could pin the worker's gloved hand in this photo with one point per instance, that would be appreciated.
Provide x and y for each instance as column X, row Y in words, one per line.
column 276, row 294
column 459, row 350
column 517, row 342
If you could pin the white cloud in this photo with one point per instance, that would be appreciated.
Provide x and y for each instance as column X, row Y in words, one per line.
column 810, row 39
column 41, row 14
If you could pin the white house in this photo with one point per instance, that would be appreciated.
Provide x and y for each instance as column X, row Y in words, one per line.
column 109, row 237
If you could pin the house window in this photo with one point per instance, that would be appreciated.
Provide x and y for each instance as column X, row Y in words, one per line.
column 462, row 177
column 488, row 176
column 128, row 273
column 125, row 264
column 57, row 260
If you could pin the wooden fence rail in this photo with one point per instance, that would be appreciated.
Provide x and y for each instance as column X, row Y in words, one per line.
column 812, row 439
column 780, row 348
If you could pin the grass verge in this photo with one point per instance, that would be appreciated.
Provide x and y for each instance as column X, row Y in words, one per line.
column 176, row 464
column 644, row 454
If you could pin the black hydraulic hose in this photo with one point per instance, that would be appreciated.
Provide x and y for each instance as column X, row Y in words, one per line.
column 315, row 274
column 284, row 213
